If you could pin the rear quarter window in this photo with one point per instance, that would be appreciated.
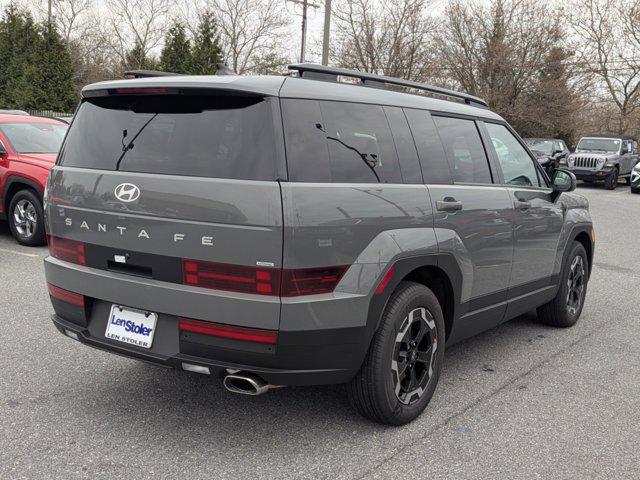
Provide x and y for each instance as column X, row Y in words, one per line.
column 214, row 136
column 339, row 142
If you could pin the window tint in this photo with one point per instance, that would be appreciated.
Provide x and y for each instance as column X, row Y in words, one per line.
column 357, row 138
column 34, row 137
column 203, row 136
column 517, row 166
column 435, row 168
column 307, row 152
column 407, row 155
column 464, row 150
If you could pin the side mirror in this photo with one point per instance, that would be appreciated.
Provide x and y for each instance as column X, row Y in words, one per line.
column 564, row 181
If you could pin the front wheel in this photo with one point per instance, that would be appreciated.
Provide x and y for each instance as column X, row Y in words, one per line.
column 26, row 219
column 565, row 309
column 611, row 182
column 401, row 370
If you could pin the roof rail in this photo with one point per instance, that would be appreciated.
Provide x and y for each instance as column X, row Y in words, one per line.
column 322, row 72
column 148, row 74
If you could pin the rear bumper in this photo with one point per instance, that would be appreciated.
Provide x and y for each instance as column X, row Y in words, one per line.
column 308, row 351
column 235, row 360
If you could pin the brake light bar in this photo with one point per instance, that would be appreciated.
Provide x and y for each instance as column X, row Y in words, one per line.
column 137, row 91
column 227, row 331
column 66, row 295
column 260, row 280
column 67, row 250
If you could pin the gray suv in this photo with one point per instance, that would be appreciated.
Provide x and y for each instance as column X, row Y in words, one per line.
column 299, row 230
column 602, row 157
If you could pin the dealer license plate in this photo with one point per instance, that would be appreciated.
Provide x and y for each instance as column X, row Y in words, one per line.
column 134, row 327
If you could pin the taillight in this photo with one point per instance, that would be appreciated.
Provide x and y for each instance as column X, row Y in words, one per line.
column 233, row 278
column 67, row 250
column 228, row 331
column 311, row 281
column 262, row 281
column 66, row 295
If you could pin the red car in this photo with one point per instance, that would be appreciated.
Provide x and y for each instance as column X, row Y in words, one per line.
column 28, row 149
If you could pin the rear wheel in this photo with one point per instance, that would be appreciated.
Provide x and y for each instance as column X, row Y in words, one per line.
column 611, row 182
column 565, row 309
column 26, row 218
column 400, row 372
column 635, row 190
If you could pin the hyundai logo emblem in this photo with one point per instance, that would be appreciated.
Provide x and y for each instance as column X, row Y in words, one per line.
column 127, row 192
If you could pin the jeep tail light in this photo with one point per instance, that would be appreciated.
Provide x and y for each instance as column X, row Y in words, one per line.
column 66, row 295
column 311, row 281
column 228, row 331
column 232, row 278
column 67, row 250
column 262, row 281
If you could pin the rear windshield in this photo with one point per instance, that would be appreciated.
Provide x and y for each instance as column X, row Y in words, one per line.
column 203, row 136
column 34, row 137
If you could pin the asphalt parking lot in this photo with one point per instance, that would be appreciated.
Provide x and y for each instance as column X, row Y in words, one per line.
column 520, row 401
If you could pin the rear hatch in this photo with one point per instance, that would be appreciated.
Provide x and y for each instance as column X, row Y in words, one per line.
column 179, row 190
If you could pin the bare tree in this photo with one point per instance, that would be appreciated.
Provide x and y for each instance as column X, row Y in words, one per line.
column 608, row 44
column 390, row 38
column 251, row 31
column 135, row 24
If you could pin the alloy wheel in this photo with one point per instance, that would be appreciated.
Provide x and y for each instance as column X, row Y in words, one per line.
column 25, row 218
column 575, row 285
column 413, row 355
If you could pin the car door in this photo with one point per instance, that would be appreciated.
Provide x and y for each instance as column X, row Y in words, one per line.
column 472, row 215
column 537, row 221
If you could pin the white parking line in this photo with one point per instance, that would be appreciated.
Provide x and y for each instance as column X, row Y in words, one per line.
column 19, row 253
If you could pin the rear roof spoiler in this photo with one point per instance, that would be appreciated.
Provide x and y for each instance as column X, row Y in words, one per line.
column 221, row 69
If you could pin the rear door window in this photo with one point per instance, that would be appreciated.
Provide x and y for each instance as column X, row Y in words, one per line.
column 464, row 150
column 339, row 142
column 516, row 164
column 227, row 137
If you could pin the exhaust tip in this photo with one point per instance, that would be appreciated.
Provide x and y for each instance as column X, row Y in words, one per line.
column 245, row 384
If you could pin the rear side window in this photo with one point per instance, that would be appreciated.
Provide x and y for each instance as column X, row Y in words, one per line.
column 407, row 155
column 339, row 142
column 435, row 168
column 464, row 150
column 203, row 136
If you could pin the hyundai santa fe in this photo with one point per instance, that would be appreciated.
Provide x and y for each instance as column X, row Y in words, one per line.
column 298, row 230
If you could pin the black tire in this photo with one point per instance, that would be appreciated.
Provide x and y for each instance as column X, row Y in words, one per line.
column 635, row 190
column 373, row 390
column 26, row 219
column 561, row 312
column 611, row 182
column 627, row 181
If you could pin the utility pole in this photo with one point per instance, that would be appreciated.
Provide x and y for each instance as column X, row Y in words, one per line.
column 327, row 30
column 49, row 8
column 305, row 6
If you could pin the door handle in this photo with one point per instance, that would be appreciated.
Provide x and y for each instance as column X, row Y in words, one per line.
column 521, row 205
column 448, row 204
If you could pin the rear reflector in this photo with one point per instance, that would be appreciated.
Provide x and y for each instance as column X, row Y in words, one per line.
column 67, row 250
column 384, row 282
column 261, row 281
column 66, row 295
column 228, row 331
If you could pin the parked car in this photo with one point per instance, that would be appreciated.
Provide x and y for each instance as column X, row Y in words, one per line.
column 602, row 157
column 635, row 179
column 289, row 231
column 28, row 149
column 548, row 152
